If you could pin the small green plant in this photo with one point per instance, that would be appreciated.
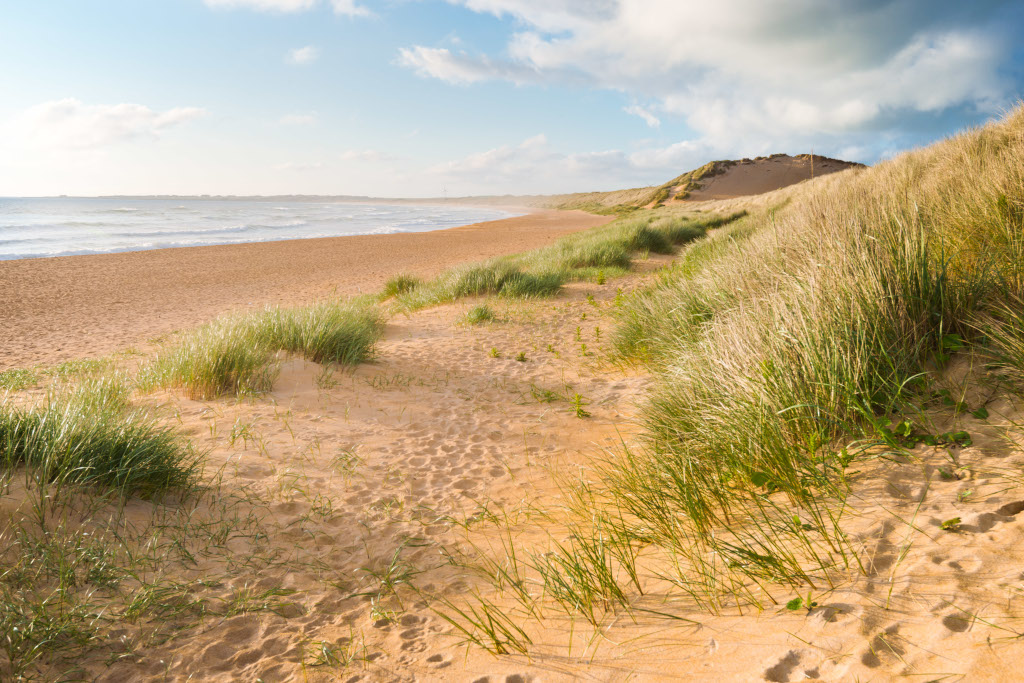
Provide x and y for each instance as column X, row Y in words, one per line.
column 597, row 333
column 583, row 350
column 336, row 655
column 347, row 460
column 601, row 278
column 620, row 299
column 591, row 300
column 550, row 348
column 799, row 602
column 480, row 314
column 964, row 495
column 521, row 356
column 951, row 524
column 578, row 402
column 494, row 352
column 543, row 395
column 579, row 333
column 981, row 413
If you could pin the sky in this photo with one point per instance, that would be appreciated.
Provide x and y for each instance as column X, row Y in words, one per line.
column 416, row 98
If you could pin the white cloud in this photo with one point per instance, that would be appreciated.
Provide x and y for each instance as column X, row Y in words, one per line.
column 649, row 118
column 366, row 155
column 263, row 5
column 301, row 56
column 532, row 166
column 740, row 72
column 462, row 69
column 350, row 8
column 346, row 7
column 69, row 123
column 298, row 120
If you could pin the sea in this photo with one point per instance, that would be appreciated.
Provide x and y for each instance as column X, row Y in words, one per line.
column 67, row 226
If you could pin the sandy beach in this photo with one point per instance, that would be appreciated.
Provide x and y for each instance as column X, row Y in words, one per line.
column 56, row 309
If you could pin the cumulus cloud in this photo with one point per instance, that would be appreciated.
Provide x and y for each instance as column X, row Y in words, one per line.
column 301, row 56
column 461, row 68
column 649, row 118
column 532, row 166
column 69, row 123
column 744, row 71
column 350, row 8
column 264, row 5
column 346, row 7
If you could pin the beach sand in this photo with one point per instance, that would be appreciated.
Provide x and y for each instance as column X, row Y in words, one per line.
column 351, row 511
column 57, row 309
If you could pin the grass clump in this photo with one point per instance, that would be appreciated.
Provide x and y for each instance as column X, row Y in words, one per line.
column 401, row 284
column 90, row 435
column 785, row 343
column 235, row 355
column 594, row 254
column 17, row 379
column 480, row 314
column 224, row 357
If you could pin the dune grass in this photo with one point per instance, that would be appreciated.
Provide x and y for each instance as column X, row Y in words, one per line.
column 599, row 252
column 479, row 314
column 91, row 435
column 236, row 354
column 400, row 284
column 786, row 345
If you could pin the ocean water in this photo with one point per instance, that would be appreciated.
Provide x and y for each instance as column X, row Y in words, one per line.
column 38, row 228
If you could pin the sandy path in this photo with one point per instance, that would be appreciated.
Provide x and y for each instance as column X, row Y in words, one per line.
column 341, row 481
column 69, row 307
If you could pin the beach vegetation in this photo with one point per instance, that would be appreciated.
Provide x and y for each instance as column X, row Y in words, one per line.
column 237, row 354
column 17, row 379
column 90, row 435
column 479, row 314
column 604, row 251
column 401, row 284
column 786, row 342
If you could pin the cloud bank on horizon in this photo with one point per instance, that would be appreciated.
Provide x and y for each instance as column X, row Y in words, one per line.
column 518, row 96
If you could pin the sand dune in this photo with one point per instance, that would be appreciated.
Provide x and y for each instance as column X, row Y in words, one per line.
column 762, row 174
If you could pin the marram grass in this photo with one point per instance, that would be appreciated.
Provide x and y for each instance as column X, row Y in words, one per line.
column 236, row 354
column 594, row 253
column 784, row 344
column 91, row 435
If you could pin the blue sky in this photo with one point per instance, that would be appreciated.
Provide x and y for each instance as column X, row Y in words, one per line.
column 419, row 98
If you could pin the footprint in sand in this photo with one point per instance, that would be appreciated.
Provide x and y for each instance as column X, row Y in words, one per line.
column 781, row 671
column 956, row 623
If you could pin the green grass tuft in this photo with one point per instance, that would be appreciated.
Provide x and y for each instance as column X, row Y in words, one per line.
column 91, row 435
column 235, row 355
column 401, row 284
column 480, row 314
